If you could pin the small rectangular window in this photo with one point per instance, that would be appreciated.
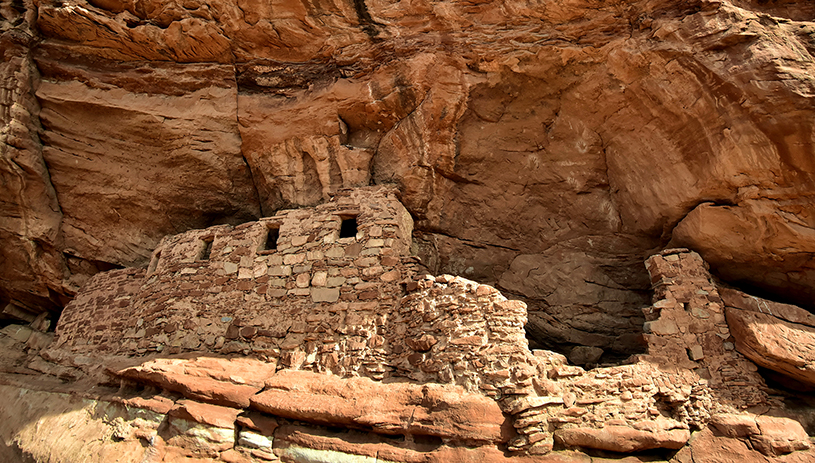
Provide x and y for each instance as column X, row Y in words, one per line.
column 205, row 250
column 271, row 239
column 154, row 263
column 348, row 227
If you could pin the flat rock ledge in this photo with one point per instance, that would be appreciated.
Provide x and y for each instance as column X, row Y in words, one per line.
column 622, row 438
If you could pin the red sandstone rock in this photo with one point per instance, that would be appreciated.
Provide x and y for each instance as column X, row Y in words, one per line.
column 773, row 343
column 318, row 98
column 706, row 447
column 779, row 436
column 732, row 425
column 221, row 381
column 622, row 438
column 265, row 425
column 735, row 298
column 222, row 417
column 395, row 408
column 291, row 438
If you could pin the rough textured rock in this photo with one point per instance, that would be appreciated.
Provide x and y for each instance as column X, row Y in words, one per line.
column 549, row 158
column 544, row 148
column 395, row 408
column 221, row 381
column 622, row 438
column 737, row 239
column 417, row 368
column 775, row 344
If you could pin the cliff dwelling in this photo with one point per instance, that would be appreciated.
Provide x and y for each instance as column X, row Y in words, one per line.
column 426, row 231
column 229, row 324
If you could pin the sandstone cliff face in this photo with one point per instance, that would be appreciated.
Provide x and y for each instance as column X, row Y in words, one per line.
column 545, row 147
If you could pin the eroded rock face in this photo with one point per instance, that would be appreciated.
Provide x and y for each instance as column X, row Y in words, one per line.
column 545, row 148
column 775, row 344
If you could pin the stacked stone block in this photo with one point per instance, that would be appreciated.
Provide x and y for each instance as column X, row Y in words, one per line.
column 361, row 306
column 686, row 328
column 316, row 300
column 453, row 330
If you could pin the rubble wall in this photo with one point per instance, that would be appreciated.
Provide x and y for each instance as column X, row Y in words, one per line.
column 312, row 295
column 361, row 306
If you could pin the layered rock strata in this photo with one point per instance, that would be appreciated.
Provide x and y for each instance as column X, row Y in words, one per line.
column 544, row 148
column 411, row 368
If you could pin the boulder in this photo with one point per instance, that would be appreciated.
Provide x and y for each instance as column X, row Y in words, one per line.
column 779, row 435
column 772, row 343
column 213, row 415
column 791, row 313
column 397, row 408
column 622, row 438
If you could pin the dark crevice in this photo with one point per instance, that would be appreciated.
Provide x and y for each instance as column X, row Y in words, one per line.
column 366, row 22
column 470, row 243
column 545, row 331
column 773, row 294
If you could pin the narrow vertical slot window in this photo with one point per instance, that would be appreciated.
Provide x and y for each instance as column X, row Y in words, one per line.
column 348, row 227
column 206, row 249
column 271, row 239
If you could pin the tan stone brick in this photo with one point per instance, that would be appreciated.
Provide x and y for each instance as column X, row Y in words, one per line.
column 244, row 273
column 335, row 281
column 393, row 275
column 314, row 255
column 325, row 294
column 372, row 271
column 302, row 280
column 280, row 270
column 319, row 279
column 291, row 259
column 299, row 240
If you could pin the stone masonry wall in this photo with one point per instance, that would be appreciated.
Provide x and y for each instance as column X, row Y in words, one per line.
column 101, row 307
column 361, row 306
column 453, row 330
column 690, row 373
column 686, row 328
column 313, row 296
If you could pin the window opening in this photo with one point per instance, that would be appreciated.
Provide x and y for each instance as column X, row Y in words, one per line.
column 206, row 249
column 348, row 227
column 271, row 239
column 154, row 263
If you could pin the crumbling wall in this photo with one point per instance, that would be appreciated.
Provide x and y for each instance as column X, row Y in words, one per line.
column 313, row 295
column 361, row 306
column 453, row 330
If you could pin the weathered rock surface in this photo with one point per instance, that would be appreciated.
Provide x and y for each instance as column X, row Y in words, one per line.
column 396, row 408
column 445, row 374
column 622, row 438
column 549, row 158
column 776, row 344
column 546, row 148
column 736, row 240
column 770, row 435
column 220, row 381
column 793, row 314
